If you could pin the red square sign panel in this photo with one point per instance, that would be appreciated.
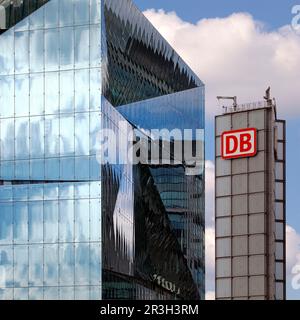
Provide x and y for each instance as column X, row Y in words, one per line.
column 239, row 143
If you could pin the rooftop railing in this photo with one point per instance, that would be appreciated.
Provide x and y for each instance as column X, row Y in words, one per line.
column 247, row 106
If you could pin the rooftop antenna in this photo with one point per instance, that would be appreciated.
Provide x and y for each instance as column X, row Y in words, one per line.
column 267, row 97
column 270, row 102
column 234, row 98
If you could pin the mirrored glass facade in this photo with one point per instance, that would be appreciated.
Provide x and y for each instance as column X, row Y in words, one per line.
column 72, row 227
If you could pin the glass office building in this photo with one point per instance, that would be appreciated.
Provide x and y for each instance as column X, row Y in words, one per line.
column 73, row 226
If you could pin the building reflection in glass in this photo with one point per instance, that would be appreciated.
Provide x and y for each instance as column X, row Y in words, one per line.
column 71, row 228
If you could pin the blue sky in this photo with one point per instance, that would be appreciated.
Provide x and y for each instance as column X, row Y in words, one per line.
column 274, row 15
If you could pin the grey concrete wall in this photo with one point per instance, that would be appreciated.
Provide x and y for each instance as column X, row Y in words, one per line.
column 246, row 244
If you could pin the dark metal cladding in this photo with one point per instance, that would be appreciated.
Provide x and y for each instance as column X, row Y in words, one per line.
column 141, row 63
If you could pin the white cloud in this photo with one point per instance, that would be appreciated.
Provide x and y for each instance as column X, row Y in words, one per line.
column 210, row 295
column 237, row 56
column 293, row 248
column 292, row 262
column 210, row 259
column 210, row 229
column 209, row 193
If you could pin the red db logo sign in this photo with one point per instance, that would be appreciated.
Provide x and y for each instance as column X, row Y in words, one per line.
column 239, row 143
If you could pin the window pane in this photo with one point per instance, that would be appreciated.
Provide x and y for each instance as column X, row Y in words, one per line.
column 22, row 54
column 36, row 293
column 95, row 92
column 66, row 293
column 6, row 48
column 66, row 36
column 66, row 221
column 22, row 138
column 66, row 12
column 51, row 136
column 21, row 266
column 22, row 95
column 95, row 11
column 67, row 168
column 37, row 132
column 6, row 267
column 66, row 264
column 7, row 139
column 51, row 221
column 279, row 231
column 52, row 169
column 82, row 220
column 95, row 46
column 81, row 11
column 279, row 251
column 35, row 219
column 279, row 171
column 82, row 266
column 51, row 93
column 67, row 135
column 81, row 134
column 82, row 293
column 37, row 51
column 51, row 261
column 95, row 264
column 36, row 19
column 95, row 220
column 279, row 210
column 21, row 294
column 6, row 223
column 82, row 54
column 279, row 191
column 280, row 151
column 7, row 92
column 36, row 265
column 51, row 14
column 51, row 50
column 82, row 86
column 36, row 94
column 66, row 92
column 82, row 168
column 21, row 222
column 51, row 293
